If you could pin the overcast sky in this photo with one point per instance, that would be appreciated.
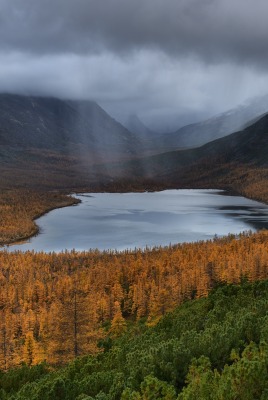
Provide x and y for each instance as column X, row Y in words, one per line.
column 165, row 60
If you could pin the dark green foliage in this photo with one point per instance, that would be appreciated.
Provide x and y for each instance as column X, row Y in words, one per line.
column 16, row 378
column 213, row 348
column 244, row 379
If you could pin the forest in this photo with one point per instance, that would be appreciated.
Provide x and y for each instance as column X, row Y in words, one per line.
column 211, row 348
column 55, row 307
column 19, row 209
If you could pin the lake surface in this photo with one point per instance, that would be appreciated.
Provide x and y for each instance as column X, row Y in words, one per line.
column 125, row 221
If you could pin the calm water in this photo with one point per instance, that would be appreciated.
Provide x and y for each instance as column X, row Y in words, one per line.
column 121, row 221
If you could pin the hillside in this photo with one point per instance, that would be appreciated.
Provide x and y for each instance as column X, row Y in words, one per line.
column 58, row 304
column 238, row 163
column 61, row 126
column 52, row 143
column 151, row 140
column 247, row 147
column 207, row 349
column 216, row 127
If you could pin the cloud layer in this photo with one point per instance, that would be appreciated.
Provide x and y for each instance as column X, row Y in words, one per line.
column 155, row 57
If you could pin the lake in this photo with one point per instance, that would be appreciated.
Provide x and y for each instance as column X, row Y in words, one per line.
column 136, row 220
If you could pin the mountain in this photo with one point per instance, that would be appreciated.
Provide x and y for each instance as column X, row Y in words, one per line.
column 151, row 140
column 63, row 126
column 219, row 126
column 247, row 147
column 52, row 143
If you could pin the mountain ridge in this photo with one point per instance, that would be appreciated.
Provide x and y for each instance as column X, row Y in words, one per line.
column 238, row 163
column 218, row 126
column 55, row 124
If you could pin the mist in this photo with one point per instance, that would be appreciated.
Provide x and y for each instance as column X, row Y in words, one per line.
column 171, row 63
column 181, row 93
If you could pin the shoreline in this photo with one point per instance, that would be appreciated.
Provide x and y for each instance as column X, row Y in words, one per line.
column 73, row 201
column 36, row 230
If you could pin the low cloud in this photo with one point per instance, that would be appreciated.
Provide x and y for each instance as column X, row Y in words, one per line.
column 164, row 60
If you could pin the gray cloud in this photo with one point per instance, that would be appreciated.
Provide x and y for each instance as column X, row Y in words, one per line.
column 211, row 29
column 166, row 60
column 153, row 85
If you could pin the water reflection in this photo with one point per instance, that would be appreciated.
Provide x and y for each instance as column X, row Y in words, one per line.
column 120, row 221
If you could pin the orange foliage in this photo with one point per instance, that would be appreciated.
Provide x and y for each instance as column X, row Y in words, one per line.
column 53, row 306
column 18, row 209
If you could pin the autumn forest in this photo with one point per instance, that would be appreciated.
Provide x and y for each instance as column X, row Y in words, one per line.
column 56, row 307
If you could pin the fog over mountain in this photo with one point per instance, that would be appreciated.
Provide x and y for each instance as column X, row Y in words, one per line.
column 66, row 127
column 49, row 143
column 135, row 125
column 246, row 148
column 172, row 63
column 218, row 126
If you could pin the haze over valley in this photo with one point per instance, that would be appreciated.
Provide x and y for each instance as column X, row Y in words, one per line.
column 77, row 142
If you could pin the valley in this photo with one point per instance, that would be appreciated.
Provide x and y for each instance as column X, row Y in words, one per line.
column 64, row 310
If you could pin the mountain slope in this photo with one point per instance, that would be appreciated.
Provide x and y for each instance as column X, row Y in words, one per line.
column 208, row 345
column 151, row 140
column 249, row 146
column 219, row 126
column 62, row 126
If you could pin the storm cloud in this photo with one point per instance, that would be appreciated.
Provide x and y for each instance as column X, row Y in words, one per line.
column 158, row 58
